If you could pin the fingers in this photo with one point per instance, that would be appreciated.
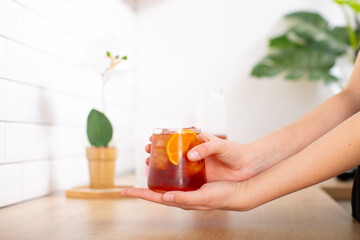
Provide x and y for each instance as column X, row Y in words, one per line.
column 143, row 193
column 148, row 148
column 213, row 146
column 207, row 136
column 156, row 197
column 193, row 198
column 216, row 195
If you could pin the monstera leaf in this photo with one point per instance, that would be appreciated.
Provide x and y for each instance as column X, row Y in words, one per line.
column 308, row 49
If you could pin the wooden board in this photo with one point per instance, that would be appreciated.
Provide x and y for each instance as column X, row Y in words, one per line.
column 89, row 193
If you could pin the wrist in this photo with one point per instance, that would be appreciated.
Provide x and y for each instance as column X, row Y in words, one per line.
column 257, row 160
column 241, row 198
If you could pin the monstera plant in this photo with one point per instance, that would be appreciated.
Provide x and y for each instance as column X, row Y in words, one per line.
column 99, row 131
column 310, row 46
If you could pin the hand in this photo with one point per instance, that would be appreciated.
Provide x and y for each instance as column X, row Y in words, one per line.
column 226, row 163
column 224, row 160
column 215, row 195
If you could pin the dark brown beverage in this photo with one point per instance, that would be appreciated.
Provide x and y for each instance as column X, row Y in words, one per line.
column 169, row 167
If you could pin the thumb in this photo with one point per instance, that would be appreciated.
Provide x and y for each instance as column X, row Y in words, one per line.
column 206, row 149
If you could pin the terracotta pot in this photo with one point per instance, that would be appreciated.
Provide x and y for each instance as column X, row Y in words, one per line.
column 101, row 166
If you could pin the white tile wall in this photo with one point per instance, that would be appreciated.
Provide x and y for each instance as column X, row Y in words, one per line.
column 25, row 65
column 41, row 177
column 35, row 179
column 10, row 184
column 48, row 87
column 25, row 142
column 11, row 99
column 12, row 20
column 67, row 172
column 2, row 56
column 2, row 142
column 37, row 31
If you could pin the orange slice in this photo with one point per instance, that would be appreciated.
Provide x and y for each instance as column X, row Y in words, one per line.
column 178, row 145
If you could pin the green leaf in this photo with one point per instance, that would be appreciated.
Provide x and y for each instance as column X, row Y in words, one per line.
column 296, row 63
column 314, row 75
column 108, row 54
column 99, row 129
column 265, row 70
column 124, row 57
column 117, row 56
column 282, row 42
column 295, row 75
column 341, row 34
column 311, row 18
column 330, row 78
column 312, row 27
column 354, row 4
column 307, row 50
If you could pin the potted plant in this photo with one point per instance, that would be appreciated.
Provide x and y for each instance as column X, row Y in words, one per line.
column 310, row 47
column 101, row 156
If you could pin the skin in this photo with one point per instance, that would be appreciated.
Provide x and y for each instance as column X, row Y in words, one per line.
column 322, row 144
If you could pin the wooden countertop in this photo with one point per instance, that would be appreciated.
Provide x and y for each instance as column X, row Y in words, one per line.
column 307, row 214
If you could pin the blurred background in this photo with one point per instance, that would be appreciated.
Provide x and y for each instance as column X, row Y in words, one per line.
column 181, row 55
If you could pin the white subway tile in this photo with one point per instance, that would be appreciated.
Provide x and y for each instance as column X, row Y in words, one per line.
column 69, row 172
column 44, row 106
column 61, row 43
column 69, row 141
column 11, row 19
column 2, row 142
column 43, row 141
column 37, row 105
column 23, row 64
column 36, row 31
column 10, row 184
column 11, row 99
column 2, row 56
column 51, row 10
column 36, row 180
column 68, row 109
column 61, row 175
column 33, row 140
column 32, row 104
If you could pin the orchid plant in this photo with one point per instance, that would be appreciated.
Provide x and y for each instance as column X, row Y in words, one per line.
column 99, row 128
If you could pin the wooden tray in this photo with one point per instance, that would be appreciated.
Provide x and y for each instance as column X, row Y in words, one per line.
column 89, row 193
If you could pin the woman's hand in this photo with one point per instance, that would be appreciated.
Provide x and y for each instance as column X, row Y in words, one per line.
column 215, row 195
column 227, row 164
column 224, row 160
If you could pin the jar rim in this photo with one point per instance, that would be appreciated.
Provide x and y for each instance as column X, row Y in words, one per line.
column 174, row 130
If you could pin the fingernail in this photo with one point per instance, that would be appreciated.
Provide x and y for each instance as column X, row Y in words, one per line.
column 168, row 197
column 194, row 155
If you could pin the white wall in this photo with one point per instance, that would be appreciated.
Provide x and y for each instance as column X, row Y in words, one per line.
column 189, row 47
column 51, row 55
